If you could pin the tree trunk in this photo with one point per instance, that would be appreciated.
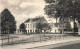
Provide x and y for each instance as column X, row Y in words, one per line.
column 40, row 35
column 56, row 24
column 8, row 35
column 74, row 27
column 74, row 16
column 62, row 27
column 44, row 32
column 56, row 20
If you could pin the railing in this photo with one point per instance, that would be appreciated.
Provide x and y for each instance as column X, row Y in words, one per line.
column 34, row 38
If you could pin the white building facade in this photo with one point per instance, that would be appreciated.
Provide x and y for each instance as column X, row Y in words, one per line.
column 30, row 27
column 31, row 24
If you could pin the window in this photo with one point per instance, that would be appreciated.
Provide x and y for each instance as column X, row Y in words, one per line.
column 26, row 25
column 28, row 31
column 33, row 25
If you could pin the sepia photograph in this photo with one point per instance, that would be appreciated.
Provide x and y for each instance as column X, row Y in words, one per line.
column 39, row 24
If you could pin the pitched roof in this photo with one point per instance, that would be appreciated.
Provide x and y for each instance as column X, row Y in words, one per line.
column 42, row 19
column 27, row 20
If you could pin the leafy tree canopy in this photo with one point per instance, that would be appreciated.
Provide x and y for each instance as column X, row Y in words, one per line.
column 22, row 26
column 63, row 8
column 7, row 21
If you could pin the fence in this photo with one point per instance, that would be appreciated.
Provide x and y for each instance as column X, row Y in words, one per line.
column 35, row 38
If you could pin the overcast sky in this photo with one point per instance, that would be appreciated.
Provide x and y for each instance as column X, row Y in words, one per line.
column 23, row 9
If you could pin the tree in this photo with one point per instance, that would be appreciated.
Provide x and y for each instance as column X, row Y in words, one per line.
column 65, row 9
column 22, row 27
column 39, row 27
column 46, row 27
column 71, row 10
column 41, row 20
column 67, row 24
column 8, row 23
column 42, row 26
column 50, row 10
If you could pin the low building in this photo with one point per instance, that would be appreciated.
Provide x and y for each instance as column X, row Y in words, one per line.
column 54, row 27
column 31, row 24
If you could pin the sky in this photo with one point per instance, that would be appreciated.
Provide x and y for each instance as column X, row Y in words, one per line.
column 23, row 9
